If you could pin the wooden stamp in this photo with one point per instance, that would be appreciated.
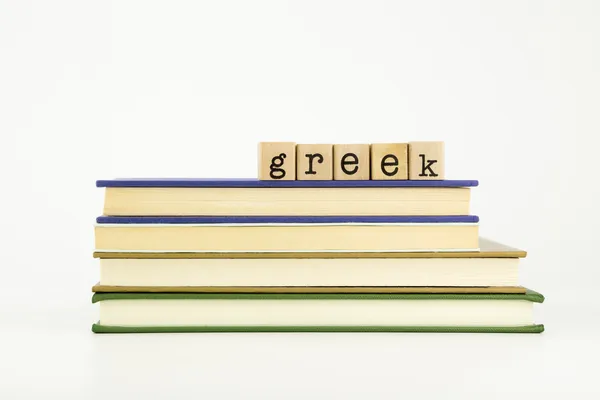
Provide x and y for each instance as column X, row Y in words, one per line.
column 314, row 162
column 426, row 161
column 277, row 161
column 351, row 162
column 389, row 161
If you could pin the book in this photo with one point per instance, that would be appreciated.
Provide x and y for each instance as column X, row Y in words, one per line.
column 256, row 183
column 327, row 272
column 205, row 312
column 310, row 272
column 487, row 249
column 247, row 197
column 283, row 234
column 431, row 272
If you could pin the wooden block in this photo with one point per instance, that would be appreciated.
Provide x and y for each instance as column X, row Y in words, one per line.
column 426, row 161
column 351, row 162
column 389, row 161
column 314, row 162
column 277, row 161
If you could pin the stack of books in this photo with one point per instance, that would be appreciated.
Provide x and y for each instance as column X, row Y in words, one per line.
column 230, row 255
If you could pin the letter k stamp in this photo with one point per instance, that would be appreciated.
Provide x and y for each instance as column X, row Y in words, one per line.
column 426, row 161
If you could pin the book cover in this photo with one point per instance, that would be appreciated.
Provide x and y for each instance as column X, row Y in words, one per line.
column 487, row 249
column 452, row 219
column 255, row 183
column 518, row 300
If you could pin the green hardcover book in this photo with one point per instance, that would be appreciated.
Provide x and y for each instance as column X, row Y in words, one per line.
column 293, row 312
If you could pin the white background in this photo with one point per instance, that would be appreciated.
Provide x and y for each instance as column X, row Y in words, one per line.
column 97, row 90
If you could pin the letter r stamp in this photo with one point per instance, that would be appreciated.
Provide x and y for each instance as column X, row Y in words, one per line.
column 314, row 162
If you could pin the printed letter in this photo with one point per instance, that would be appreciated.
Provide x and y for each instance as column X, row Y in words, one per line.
column 393, row 163
column 427, row 166
column 353, row 162
column 276, row 162
column 311, row 157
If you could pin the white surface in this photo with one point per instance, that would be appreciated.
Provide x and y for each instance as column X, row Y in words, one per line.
column 50, row 353
column 95, row 90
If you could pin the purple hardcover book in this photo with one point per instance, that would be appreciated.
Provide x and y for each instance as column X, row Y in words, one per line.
column 456, row 219
column 255, row 183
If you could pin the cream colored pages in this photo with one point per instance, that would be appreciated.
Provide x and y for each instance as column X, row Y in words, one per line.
column 310, row 272
column 315, row 312
column 286, row 201
column 307, row 237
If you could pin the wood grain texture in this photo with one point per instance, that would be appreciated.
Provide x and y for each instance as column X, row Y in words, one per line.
column 303, row 289
column 389, row 161
column 314, row 162
column 426, row 161
column 487, row 249
column 351, row 162
column 277, row 161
